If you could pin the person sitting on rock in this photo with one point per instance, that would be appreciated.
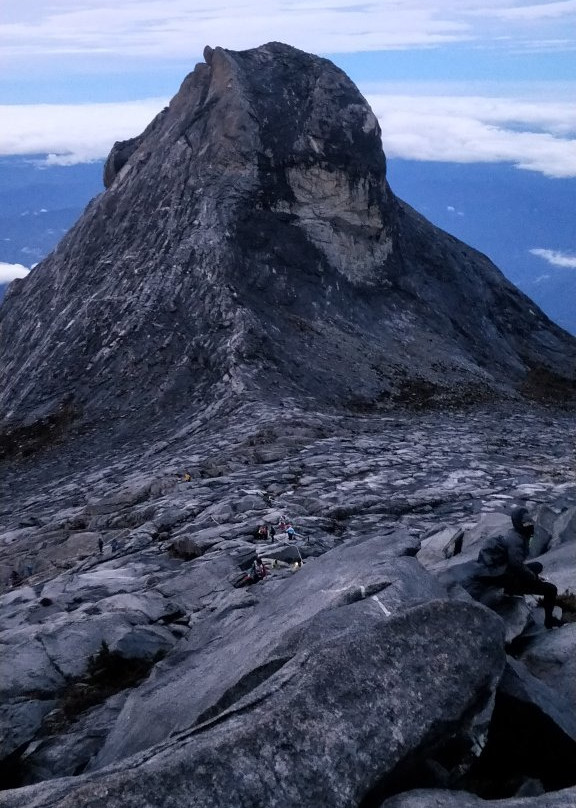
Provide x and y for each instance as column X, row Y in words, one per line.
column 257, row 571
column 501, row 563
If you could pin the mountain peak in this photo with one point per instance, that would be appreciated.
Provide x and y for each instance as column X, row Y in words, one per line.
column 248, row 243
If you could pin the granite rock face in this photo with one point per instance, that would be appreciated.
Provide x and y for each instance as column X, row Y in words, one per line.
column 237, row 333
column 364, row 494
column 298, row 715
column 248, row 242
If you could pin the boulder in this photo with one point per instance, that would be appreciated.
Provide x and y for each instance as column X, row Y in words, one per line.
column 515, row 613
column 20, row 721
column 128, row 496
column 489, row 524
column 27, row 668
column 221, row 651
column 68, row 752
column 144, row 642
column 108, row 578
column 555, row 525
column 69, row 646
column 187, row 548
column 444, row 544
column 291, row 736
column 198, row 580
column 250, row 502
column 284, row 551
column 532, row 738
column 140, row 607
column 554, row 706
column 559, row 565
column 428, row 798
column 243, row 556
column 16, row 597
column 77, row 546
column 551, row 657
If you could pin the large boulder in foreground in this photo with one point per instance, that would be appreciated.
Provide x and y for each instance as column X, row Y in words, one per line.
column 347, row 697
column 241, row 635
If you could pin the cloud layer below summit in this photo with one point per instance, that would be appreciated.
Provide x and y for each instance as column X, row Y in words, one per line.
column 462, row 129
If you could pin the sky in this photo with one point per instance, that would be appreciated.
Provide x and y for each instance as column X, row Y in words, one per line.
column 490, row 81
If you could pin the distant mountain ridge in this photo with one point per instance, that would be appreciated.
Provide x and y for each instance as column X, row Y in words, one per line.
column 249, row 244
column 39, row 203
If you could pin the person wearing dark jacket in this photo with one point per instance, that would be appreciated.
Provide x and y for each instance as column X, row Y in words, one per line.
column 257, row 571
column 502, row 563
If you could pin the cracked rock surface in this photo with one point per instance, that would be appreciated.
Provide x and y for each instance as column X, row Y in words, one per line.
column 376, row 501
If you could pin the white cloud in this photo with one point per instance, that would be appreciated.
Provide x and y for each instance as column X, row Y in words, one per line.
column 180, row 28
column 536, row 136
column 556, row 258
column 537, row 11
column 73, row 133
column 177, row 28
column 10, row 271
column 462, row 129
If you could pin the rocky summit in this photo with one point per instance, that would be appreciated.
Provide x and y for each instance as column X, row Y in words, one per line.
column 248, row 244
column 248, row 348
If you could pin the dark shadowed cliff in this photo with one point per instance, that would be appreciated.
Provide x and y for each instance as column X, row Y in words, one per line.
column 248, row 244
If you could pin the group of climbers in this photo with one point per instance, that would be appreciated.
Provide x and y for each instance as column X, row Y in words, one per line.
column 501, row 564
column 267, row 532
column 264, row 533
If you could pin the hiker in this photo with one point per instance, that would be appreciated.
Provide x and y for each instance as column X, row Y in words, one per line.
column 100, row 545
column 261, row 533
column 501, row 563
column 15, row 578
column 257, row 571
column 291, row 533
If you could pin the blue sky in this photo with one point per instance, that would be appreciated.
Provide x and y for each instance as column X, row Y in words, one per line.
column 461, row 80
column 450, row 80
